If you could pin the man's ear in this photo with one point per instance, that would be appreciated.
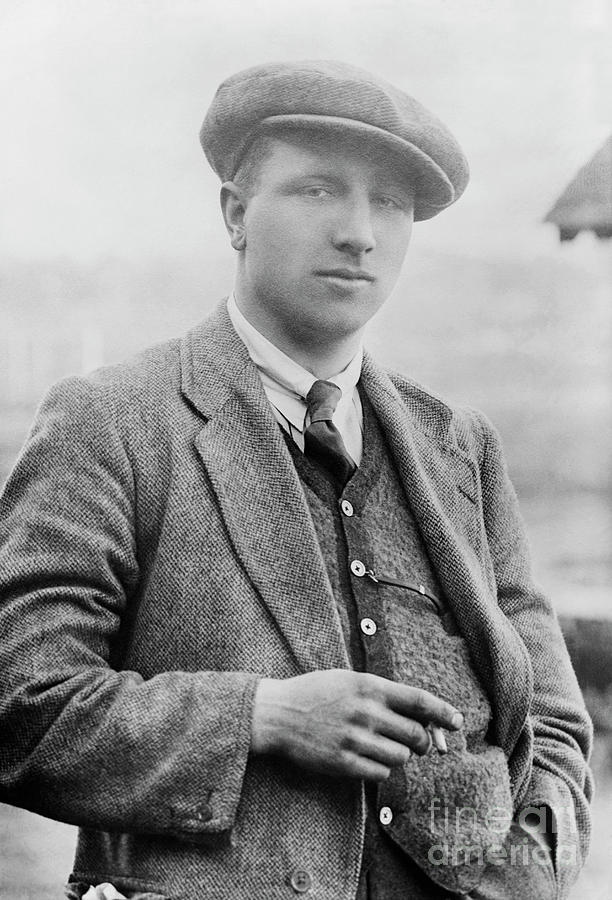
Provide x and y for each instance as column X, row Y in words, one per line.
column 233, row 206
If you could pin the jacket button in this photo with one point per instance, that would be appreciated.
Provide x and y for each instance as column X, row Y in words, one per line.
column 368, row 626
column 204, row 813
column 385, row 815
column 300, row 881
column 347, row 508
column 358, row 568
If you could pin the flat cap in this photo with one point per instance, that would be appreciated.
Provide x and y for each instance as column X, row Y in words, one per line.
column 334, row 95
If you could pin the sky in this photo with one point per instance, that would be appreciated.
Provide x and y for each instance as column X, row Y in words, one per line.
column 103, row 101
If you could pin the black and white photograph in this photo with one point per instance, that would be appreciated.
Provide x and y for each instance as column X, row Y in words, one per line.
column 306, row 450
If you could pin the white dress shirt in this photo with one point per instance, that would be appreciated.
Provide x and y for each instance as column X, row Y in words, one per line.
column 287, row 383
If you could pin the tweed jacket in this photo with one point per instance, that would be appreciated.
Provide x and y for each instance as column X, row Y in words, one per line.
column 157, row 557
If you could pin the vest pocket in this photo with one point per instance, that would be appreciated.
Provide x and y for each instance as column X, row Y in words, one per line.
column 454, row 810
column 428, row 653
column 452, row 813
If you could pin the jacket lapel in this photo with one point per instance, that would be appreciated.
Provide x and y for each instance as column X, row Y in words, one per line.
column 442, row 484
column 259, row 492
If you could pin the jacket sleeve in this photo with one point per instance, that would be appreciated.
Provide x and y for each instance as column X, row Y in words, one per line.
column 562, row 731
column 80, row 742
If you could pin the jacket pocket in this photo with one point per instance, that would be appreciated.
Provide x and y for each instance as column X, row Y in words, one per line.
column 521, row 870
column 131, row 888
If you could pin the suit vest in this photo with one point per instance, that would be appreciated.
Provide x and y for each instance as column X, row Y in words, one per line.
column 434, row 811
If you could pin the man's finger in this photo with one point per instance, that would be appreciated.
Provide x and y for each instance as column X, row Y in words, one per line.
column 421, row 705
column 380, row 748
column 403, row 730
column 356, row 766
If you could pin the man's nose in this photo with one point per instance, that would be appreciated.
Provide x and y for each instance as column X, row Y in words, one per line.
column 354, row 232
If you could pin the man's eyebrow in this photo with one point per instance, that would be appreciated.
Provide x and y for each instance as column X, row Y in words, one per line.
column 322, row 174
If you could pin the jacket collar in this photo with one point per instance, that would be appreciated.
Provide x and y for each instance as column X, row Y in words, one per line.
column 216, row 366
column 427, row 413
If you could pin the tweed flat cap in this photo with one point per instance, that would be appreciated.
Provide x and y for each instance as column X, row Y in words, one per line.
column 333, row 95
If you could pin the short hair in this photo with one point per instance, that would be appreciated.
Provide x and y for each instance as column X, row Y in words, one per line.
column 251, row 162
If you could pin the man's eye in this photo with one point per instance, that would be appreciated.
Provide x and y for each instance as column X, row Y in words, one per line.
column 316, row 192
column 389, row 203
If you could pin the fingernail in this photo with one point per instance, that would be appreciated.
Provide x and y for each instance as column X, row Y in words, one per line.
column 439, row 739
column 457, row 720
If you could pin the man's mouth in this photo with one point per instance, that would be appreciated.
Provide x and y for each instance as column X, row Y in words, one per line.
column 346, row 274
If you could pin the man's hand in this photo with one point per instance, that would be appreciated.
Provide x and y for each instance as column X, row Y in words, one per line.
column 341, row 722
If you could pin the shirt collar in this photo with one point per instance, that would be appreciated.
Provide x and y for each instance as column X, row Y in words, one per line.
column 287, row 382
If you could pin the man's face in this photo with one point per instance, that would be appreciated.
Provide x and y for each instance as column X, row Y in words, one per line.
column 327, row 228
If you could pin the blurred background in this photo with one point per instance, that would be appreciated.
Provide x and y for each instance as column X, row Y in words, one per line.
column 111, row 239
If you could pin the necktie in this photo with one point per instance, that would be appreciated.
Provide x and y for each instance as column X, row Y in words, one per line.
column 323, row 442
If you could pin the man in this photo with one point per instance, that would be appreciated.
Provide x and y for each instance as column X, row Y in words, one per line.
column 268, row 622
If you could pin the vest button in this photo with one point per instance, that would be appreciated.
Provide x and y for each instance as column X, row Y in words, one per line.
column 347, row 508
column 385, row 815
column 358, row 568
column 300, row 881
column 368, row 626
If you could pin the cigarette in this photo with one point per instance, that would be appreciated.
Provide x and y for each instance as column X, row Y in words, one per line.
column 438, row 738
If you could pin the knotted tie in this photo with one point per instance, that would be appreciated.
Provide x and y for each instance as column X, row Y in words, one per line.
column 323, row 442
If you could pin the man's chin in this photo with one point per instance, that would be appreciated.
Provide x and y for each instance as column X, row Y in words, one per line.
column 329, row 328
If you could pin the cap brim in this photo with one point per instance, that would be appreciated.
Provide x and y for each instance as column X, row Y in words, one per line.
column 433, row 189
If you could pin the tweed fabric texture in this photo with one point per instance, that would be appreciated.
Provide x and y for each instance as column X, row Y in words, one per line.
column 335, row 96
column 418, row 644
column 515, row 642
column 157, row 557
